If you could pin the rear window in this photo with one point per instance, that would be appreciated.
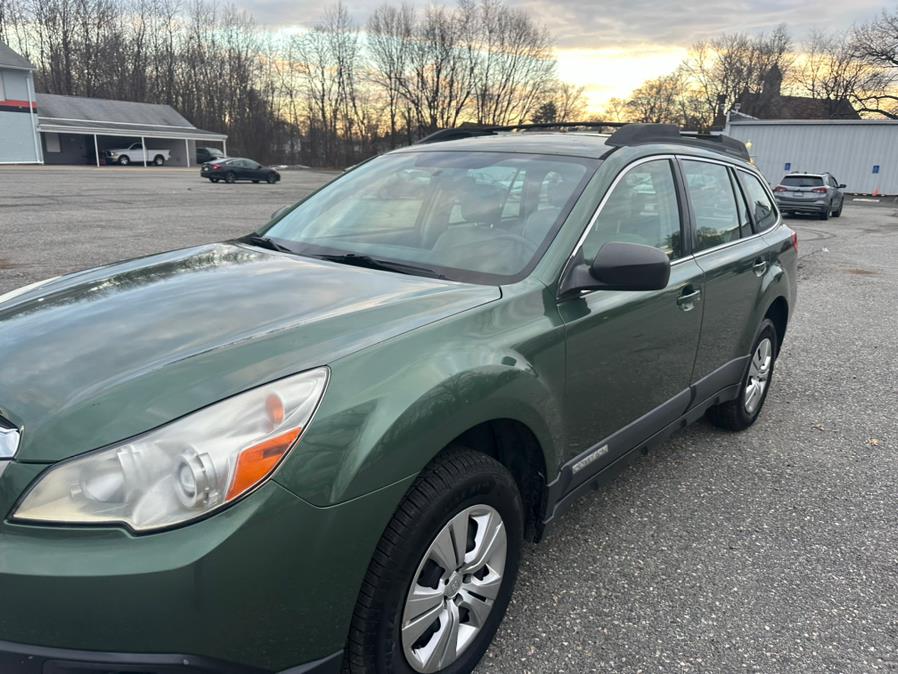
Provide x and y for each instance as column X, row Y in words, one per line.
column 802, row 181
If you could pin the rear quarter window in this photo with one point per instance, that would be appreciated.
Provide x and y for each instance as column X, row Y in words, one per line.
column 759, row 202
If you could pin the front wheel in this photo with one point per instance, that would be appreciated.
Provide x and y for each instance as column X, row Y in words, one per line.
column 230, row 177
column 271, row 178
column 443, row 573
column 739, row 414
column 124, row 160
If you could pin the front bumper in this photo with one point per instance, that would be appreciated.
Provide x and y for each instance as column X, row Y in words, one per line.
column 24, row 659
column 266, row 585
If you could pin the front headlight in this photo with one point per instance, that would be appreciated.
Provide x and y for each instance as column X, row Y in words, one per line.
column 182, row 471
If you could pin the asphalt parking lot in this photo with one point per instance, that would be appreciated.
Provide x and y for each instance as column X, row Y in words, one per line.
column 773, row 550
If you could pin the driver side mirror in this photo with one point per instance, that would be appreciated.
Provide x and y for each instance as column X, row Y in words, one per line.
column 841, row 186
column 620, row 266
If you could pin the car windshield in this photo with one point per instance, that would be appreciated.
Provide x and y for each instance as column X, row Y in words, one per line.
column 479, row 217
column 802, row 181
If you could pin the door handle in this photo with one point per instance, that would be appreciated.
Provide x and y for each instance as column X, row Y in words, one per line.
column 759, row 267
column 687, row 300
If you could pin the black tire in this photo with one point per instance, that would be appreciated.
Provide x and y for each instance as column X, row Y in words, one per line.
column 213, row 180
column 255, row 182
column 824, row 215
column 271, row 178
column 732, row 415
column 230, row 178
column 159, row 160
column 838, row 212
column 124, row 160
column 455, row 480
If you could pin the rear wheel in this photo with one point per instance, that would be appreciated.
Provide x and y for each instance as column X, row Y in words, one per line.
column 443, row 573
column 159, row 160
column 213, row 180
column 838, row 212
column 739, row 414
column 825, row 214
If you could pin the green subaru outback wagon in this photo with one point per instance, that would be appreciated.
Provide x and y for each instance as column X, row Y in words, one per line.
column 320, row 447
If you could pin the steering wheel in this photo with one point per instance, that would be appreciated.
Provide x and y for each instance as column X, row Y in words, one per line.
column 528, row 247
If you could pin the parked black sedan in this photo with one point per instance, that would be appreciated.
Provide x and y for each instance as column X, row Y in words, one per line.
column 232, row 169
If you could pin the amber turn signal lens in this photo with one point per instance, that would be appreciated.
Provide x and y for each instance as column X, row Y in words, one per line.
column 255, row 462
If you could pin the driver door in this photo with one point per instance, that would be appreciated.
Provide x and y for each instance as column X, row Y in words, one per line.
column 630, row 354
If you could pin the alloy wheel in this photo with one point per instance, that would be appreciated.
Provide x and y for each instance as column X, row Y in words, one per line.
column 758, row 375
column 454, row 588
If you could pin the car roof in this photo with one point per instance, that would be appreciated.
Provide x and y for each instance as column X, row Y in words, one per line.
column 589, row 145
column 584, row 144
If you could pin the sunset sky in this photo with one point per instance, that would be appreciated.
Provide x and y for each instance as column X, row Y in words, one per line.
column 611, row 48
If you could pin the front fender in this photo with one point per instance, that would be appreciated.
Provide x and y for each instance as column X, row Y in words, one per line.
column 390, row 409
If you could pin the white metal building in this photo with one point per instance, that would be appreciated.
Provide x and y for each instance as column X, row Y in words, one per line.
column 863, row 153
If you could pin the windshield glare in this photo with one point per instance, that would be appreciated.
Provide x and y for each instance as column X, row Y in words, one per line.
column 469, row 216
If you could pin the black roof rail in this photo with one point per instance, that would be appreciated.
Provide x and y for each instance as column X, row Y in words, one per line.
column 641, row 134
column 473, row 130
column 626, row 134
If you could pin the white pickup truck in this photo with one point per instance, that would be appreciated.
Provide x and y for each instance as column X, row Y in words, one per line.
column 134, row 154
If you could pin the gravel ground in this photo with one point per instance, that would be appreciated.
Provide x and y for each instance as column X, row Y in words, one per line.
column 58, row 219
column 773, row 550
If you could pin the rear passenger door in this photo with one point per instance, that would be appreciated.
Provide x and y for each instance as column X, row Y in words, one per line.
column 734, row 259
column 243, row 169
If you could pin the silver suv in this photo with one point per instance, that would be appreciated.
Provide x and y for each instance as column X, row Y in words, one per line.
column 818, row 193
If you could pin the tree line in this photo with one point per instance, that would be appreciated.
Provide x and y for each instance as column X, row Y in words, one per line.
column 857, row 67
column 330, row 95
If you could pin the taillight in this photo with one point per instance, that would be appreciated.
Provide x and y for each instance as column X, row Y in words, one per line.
column 819, row 190
column 779, row 188
column 795, row 241
column 216, row 167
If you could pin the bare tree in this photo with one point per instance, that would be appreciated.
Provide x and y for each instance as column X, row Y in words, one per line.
column 389, row 35
column 733, row 68
column 514, row 64
column 832, row 71
column 875, row 44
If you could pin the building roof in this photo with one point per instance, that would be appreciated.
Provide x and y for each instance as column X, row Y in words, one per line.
column 745, row 120
column 79, row 114
column 798, row 107
column 11, row 59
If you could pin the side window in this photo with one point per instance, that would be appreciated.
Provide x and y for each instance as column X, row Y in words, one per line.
column 759, row 201
column 643, row 208
column 713, row 202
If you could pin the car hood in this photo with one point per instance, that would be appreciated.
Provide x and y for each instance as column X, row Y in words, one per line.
column 99, row 356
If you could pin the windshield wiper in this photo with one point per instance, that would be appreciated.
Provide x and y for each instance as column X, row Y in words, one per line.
column 373, row 263
column 265, row 242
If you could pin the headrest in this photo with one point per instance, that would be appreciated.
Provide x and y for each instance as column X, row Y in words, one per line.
column 481, row 204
